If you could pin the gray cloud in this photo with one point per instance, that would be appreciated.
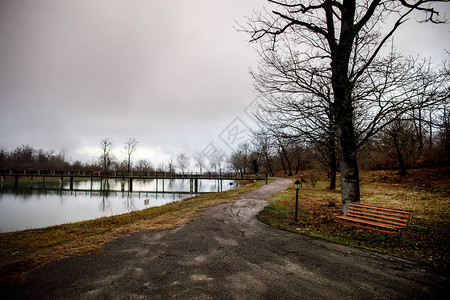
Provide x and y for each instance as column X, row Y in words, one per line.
column 172, row 74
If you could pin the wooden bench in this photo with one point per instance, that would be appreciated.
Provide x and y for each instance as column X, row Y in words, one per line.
column 381, row 219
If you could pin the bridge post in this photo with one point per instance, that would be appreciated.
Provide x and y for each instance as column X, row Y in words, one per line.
column 196, row 185
column 191, row 182
column 71, row 183
column 131, row 184
column 16, row 180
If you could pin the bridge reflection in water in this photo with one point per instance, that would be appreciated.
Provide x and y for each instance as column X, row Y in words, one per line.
column 128, row 181
column 34, row 207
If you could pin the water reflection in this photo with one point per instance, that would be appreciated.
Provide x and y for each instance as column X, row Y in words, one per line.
column 32, row 207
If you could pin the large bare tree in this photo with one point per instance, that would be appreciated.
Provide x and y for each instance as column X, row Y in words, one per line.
column 338, row 45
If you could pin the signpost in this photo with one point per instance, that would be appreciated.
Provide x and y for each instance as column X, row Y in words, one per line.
column 297, row 187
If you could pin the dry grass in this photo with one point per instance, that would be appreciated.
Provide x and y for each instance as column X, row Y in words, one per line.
column 425, row 192
column 21, row 252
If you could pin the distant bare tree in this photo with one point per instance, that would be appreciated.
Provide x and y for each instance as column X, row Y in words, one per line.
column 443, row 136
column 130, row 147
column 144, row 165
column 239, row 160
column 3, row 158
column 401, row 142
column 106, row 155
column 161, row 167
column 265, row 147
column 171, row 165
column 182, row 162
column 200, row 160
column 216, row 161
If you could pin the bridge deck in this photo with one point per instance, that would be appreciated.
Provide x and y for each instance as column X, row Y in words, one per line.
column 132, row 175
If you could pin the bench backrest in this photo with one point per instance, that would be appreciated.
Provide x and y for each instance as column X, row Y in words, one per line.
column 390, row 216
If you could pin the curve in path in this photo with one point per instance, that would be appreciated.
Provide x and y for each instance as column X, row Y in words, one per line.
column 227, row 253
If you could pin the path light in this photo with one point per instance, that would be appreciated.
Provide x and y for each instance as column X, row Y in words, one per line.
column 297, row 187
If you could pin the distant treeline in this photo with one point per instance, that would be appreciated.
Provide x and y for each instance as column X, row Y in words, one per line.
column 26, row 157
column 400, row 146
column 405, row 144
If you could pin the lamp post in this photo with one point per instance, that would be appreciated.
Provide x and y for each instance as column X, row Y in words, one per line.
column 297, row 187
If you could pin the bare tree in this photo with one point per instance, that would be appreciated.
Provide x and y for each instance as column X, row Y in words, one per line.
column 171, row 165
column 239, row 160
column 161, row 167
column 264, row 145
column 182, row 162
column 106, row 158
column 216, row 161
column 339, row 43
column 130, row 147
column 200, row 161
column 400, row 142
column 144, row 165
column 443, row 137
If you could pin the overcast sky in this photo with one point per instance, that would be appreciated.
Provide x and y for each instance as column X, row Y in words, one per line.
column 172, row 74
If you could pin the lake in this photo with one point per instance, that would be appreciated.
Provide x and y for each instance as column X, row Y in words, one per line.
column 30, row 207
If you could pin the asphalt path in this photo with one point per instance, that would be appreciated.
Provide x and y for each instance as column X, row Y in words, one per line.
column 227, row 253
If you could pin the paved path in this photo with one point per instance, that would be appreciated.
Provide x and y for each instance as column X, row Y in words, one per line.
column 228, row 254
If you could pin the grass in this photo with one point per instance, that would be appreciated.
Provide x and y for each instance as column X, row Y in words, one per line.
column 22, row 251
column 425, row 192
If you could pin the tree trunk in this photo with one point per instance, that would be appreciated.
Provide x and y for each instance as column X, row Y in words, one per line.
column 398, row 151
column 268, row 165
column 332, row 158
column 343, row 105
column 420, row 133
column 347, row 138
column 333, row 171
column 349, row 168
column 431, row 132
column 282, row 161
column 297, row 168
column 347, row 141
column 287, row 160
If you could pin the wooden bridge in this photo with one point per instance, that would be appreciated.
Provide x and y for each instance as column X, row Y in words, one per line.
column 124, row 176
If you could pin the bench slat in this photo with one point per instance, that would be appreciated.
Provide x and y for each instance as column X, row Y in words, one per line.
column 400, row 216
column 377, row 219
column 364, row 227
column 402, row 211
column 372, row 214
column 377, row 224
column 381, row 219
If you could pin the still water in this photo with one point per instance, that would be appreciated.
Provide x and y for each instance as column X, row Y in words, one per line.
column 27, row 208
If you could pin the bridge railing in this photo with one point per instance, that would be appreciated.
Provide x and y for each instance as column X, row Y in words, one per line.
column 133, row 174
